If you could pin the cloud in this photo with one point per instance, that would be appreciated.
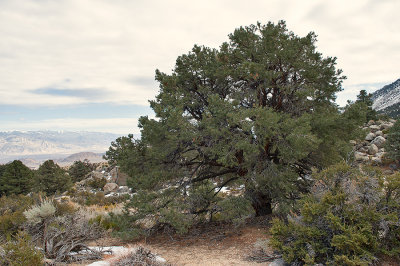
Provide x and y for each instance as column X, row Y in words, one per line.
column 73, row 52
column 89, row 93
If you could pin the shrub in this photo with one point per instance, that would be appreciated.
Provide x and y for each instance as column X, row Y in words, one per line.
column 140, row 256
column 39, row 213
column 11, row 213
column 78, row 170
column 97, row 183
column 20, row 252
column 350, row 218
column 392, row 144
column 98, row 198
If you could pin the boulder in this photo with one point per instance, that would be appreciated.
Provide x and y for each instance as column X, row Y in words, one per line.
column 376, row 160
column 374, row 128
column 370, row 136
column 353, row 142
column 110, row 187
column 359, row 156
column 386, row 125
column 96, row 174
column 370, row 122
column 392, row 121
column 379, row 133
column 123, row 189
column 379, row 141
column 363, row 149
column 373, row 149
column 278, row 262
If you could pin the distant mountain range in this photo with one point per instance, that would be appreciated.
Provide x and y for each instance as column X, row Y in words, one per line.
column 387, row 99
column 43, row 145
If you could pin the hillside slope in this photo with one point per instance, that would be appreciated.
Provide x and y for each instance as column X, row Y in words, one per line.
column 387, row 99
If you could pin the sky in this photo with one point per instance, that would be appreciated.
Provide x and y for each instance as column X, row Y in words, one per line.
column 88, row 65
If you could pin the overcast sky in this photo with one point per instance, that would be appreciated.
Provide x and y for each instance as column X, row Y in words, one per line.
column 89, row 65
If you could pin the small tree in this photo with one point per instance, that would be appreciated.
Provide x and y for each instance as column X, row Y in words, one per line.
column 366, row 99
column 392, row 144
column 51, row 178
column 16, row 179
column 78, row 170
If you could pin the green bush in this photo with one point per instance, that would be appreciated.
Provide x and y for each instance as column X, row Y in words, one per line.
column 392, row 144
column 20, row 252
column 11, row 213
column 97, row 183
column 350, row 218
column 98, row 198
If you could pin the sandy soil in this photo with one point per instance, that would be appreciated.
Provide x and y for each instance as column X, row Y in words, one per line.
column 216, row 246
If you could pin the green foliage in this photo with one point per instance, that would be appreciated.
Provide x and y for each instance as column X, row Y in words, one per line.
column 78, row 170
column 88, row 198
column 257, row 113
column 52, row 179
column 365, row 99
column 392, row 145
column 11, row 213
column 20, row 252
column 350, row 218
column 97, row 183
column 15, row 178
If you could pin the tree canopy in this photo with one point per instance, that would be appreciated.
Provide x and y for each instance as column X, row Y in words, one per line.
column 51, row 178
column 256, row 114
column 15, row 178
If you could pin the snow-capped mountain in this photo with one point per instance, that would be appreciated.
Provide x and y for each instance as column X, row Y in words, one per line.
column 387, row 99
column 30, row 144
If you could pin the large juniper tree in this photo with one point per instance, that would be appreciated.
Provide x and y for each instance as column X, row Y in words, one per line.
column 258, row 113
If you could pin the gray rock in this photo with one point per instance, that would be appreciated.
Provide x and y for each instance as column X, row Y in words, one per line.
column 392, row 121
column 359, row 156
column 96, row 174
column 363, row 149
column 370, row 136
column 373, row 149
column 386, row 125
column 379, row 133
column 123, row 189
column 278, row 262
column 370, row 122
column 110, row 187
column 379, row 141
column 376, row 160
column 374, row 128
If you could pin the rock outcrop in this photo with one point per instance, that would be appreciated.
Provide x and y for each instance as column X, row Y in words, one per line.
column 371, row 149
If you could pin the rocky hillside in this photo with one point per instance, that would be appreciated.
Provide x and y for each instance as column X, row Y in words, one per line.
column 387, row 99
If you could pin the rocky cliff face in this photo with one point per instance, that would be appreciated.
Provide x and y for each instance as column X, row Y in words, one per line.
column 371, row 149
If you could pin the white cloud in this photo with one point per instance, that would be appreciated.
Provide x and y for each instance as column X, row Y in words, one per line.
column 107, row 44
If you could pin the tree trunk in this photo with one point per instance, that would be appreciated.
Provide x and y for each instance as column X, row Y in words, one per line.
column 261, row 203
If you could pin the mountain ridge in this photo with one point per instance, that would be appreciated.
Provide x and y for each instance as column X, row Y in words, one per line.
column 387, row 99
column 51, row 144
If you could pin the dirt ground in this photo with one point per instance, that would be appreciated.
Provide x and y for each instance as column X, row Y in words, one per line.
column 218, row 245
